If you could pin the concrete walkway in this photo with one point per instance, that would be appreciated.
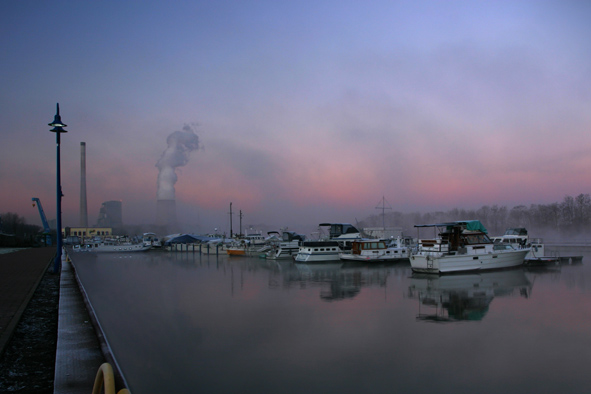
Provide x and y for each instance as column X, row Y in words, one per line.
column 80, row 351
column 78, row 355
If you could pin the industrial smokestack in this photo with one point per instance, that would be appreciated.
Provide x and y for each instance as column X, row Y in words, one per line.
column 180, row 144
column 83, row 208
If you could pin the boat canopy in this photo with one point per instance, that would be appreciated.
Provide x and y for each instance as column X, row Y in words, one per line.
column 470, row 225
column 289, row 236
column 338, row 229
column 320, row 244
column 516, row 231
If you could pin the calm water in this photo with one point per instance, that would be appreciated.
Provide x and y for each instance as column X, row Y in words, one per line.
column 187, row 323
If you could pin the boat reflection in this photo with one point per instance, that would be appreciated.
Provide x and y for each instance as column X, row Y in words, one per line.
column 334, row 286
column 464, row 297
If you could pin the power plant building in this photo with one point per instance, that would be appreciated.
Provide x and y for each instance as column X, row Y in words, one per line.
column 110, row 214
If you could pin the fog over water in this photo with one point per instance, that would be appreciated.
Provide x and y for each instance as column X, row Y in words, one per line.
column 177, row 321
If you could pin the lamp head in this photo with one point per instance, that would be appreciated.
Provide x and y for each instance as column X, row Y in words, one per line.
column 57, row 123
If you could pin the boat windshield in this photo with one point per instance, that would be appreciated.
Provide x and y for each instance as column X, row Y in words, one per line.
column 478, row 238
column 516, row 231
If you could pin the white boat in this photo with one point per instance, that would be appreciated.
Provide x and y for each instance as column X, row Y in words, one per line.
column 375, row 250
column 518, row 238
column 246, row 245
column 111, row 247
column 340, row 238
column 150, row 239
column 318, row 251
column 215, row 246
column 285, row 247
column 463, row 246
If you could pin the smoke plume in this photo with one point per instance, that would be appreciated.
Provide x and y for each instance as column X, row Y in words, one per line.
column 180, row 144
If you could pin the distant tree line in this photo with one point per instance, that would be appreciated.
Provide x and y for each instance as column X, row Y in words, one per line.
column 570, row 218
column 15, row 232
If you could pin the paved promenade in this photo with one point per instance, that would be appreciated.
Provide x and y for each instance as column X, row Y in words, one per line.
column 79, row 352
column 20, row 273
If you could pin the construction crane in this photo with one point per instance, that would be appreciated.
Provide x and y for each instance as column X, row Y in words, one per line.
column 46, row 229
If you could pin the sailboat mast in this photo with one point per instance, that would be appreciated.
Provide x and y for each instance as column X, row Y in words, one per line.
column 230, row 220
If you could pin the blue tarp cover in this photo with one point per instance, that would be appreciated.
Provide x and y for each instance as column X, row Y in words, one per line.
column 187, row 239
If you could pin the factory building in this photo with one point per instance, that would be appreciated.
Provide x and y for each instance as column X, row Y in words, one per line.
column 87, row 232
column 110, row 214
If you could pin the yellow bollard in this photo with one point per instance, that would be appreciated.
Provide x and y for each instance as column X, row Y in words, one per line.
column 106, row 378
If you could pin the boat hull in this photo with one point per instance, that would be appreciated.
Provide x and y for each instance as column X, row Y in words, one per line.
column 283, row 250
column 236, row 251
column 282, row 253
column 317, row 257
column 378, row 255
column 440, row 264
column 113, row 248
column 372, row 259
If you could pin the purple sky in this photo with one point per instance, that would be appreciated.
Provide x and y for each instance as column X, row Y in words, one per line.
column 305, row 112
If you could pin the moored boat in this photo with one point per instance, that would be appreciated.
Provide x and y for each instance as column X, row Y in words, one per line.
column 518, row 238
column 111, row 247
column 150, row 239
column 463, row 246
column 285, row 247
column 318, row 251
column 340, row 238
column 375, row 250
column 246, row 245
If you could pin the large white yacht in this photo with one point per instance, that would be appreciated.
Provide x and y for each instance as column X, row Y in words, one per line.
column 463, row 246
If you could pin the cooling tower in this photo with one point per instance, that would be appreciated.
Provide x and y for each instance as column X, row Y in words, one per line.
column 166, row 212
column 83, row 208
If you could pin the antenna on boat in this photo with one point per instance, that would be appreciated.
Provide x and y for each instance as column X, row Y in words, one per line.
column 383, row 208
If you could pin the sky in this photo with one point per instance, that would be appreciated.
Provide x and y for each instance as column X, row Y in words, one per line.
column 298, row 112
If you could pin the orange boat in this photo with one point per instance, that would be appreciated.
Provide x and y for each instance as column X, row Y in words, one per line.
column 236, row 251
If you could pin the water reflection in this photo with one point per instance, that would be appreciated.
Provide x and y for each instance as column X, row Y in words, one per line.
column 335, row 280
column 334, row 286
column 338, row 281
column 182, row 322
column 464, row 297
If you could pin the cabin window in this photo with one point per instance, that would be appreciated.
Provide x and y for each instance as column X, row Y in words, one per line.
column 476, row 239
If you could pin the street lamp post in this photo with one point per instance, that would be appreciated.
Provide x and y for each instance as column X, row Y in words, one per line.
column 58, row 128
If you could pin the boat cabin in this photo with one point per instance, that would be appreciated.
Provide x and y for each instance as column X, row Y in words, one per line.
column 358, row 246
column 456, row 237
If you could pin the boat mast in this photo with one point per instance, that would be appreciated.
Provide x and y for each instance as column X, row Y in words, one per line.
column 383, row 208
column 230, row 213
column 241, row 222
